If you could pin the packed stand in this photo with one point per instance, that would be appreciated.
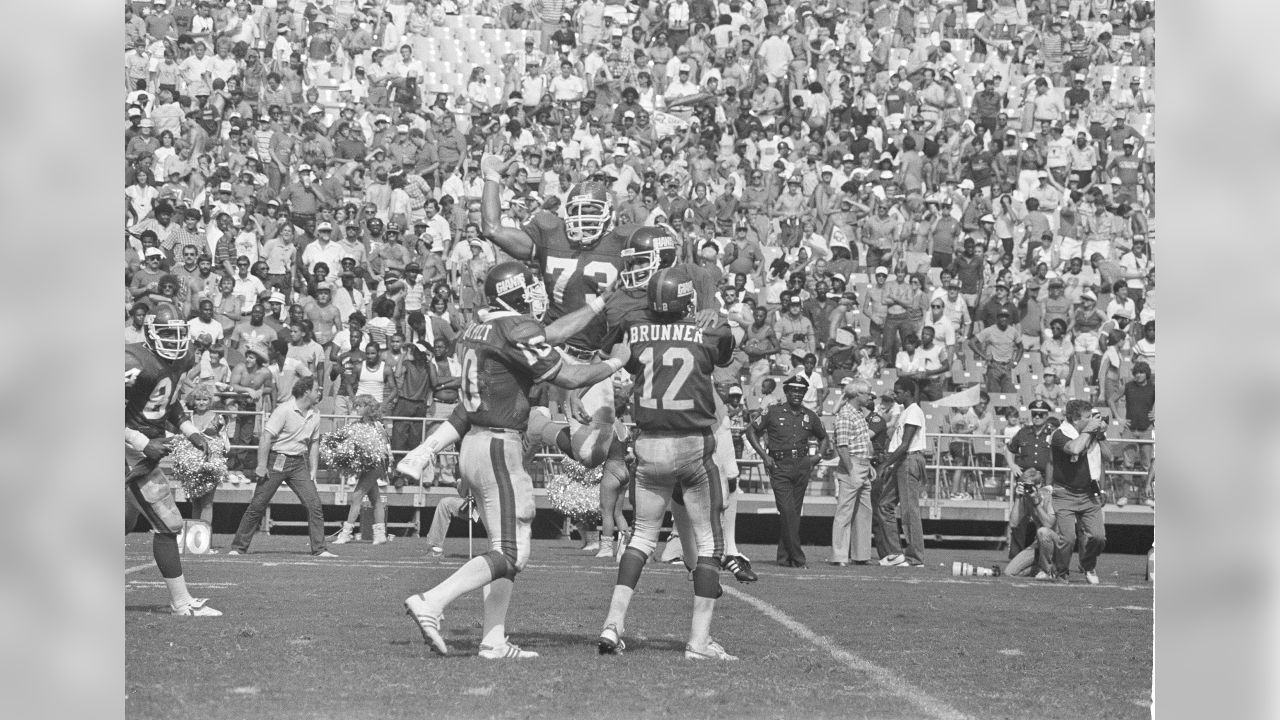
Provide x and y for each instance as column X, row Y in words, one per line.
column 934, row 190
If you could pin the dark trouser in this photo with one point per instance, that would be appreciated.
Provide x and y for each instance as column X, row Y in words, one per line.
column 296, row 473
column 406, row 434
column 901, row 490
column 1000, row 377
column 789, row 480
column 1080, row 522
column 1019, row 523
column 875, row 257
column 941, row 259
column 896, row 327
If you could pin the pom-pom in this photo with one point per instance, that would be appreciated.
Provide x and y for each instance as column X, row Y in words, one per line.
column 575, row 491
column 355, row 449
column 199, row 474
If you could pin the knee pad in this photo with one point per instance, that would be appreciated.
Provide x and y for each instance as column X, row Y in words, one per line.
column 706, row 579
column 500, row 566
column 630, row 565
column 642, row 543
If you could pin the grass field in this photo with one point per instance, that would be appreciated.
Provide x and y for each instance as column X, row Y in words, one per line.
column 308, row 638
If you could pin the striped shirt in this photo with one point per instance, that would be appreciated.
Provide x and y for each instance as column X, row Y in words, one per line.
column 851, row 431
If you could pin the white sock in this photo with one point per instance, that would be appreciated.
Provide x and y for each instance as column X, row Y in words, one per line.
column 178, row 595
column 729, row 524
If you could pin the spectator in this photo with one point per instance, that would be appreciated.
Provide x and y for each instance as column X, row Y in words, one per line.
column 997, row 345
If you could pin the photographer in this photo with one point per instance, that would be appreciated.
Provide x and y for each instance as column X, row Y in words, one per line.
column 1077, row 447
column 1038, row 557
column 1028, row 455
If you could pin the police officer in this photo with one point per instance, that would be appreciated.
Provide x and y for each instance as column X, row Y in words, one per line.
column 1029, row 457
column 788, row 429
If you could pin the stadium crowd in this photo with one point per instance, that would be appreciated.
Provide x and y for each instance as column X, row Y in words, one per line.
column 960, row 193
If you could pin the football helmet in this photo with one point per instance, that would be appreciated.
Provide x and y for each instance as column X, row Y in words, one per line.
column 166, row 333
column 512, row 286
column 649, row 249
column 671, row 293
column 588, row 213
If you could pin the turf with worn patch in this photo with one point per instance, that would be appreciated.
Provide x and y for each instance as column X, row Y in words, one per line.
column 310, row 638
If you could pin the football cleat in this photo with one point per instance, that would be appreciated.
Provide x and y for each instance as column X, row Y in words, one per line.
column 506, row 651
column 740, row 567
column 610, row 641
column 415, row 463
column 234, row 551
column 606, row 548
column 712, row 651
column 195, row 608
column 1091, row 576
column 428, row 622
column 323, row 554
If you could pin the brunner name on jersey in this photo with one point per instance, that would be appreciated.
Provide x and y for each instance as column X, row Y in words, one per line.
column 664, row 333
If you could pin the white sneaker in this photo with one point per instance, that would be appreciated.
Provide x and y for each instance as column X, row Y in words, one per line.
column 606, row 548
column 1092, row 577
column 893, row 560
column 1042, row 575
column 437, row 552
column 233, row 551
column 345, row 534
column 506, row 651
column 591, row 547
column 712, row 651
column 325, row 554
column 1122, row 501
column 195, row 608
column 428, row 622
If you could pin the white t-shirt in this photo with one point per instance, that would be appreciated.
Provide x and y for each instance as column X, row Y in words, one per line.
column 912, row 415
column 197, row 327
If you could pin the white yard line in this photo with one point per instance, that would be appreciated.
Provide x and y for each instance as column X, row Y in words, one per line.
column 927, row 704
column 136, row 568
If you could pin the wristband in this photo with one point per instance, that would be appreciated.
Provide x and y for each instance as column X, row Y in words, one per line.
column 614, row 364
column 493, row 177
column 188, row 428
column 135, row 439
column 596, row 304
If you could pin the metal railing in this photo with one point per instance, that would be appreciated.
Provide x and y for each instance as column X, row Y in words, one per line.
column 989, row 477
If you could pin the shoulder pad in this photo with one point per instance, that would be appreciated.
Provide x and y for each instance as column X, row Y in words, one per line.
column 525, row 330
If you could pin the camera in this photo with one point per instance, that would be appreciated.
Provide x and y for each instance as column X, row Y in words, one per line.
column 1026, row 488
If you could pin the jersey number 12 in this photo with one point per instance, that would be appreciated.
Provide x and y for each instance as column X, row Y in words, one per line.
column 677, row 357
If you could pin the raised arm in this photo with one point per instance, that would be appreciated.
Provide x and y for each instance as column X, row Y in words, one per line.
column 513, row 241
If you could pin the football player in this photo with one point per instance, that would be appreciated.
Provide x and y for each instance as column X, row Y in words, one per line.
column 674, row 409
column 153, row 371
column 650, row 250
column 579, row 255
column 502, row 355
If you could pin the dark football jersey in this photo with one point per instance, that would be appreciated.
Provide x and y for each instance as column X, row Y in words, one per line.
column 151, row 390
column 575, row 275
column 626, row 307
column 502, row 356
column 672, row 364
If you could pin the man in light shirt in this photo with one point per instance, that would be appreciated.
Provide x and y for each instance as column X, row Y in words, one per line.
column 901, row 474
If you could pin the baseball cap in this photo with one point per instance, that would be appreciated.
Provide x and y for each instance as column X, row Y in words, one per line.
column 1039, row 405
column 882, row 270
column 1088, row 295
column 224, row 187
column 276, row 297
column 827, row 169
column 965, row 184
column 628, row 114
column 685, row 68
column 849, row 157
column 953, row 283
column 886, row 174
column 987, row 218
column 314, row 109
column 153, row 252
column 303, row 168
column 413, row 267
column 616, row 32
column 402, row 128
column 1128, row 141
column 146, row 122
column 735, row 390
column 326, row 225
column 325, row 287
column 795, row 300
column 381, row 117
column 1002, row 312
column 839, row 276
column 135, row 112
column 1079, row 77
column 1056, row 282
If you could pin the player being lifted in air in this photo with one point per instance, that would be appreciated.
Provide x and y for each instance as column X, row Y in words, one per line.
column 650, row 250
column 502, row 355
column 153, row 371
column 674, row 409
column 578, row 255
